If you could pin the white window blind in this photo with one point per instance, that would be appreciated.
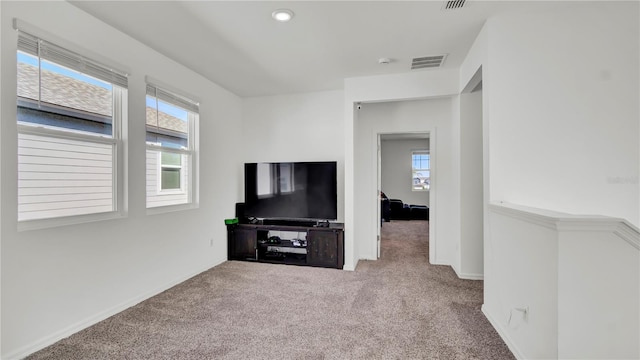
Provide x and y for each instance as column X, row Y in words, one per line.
column 70, row 112
column 172, row 98
column 47, row 51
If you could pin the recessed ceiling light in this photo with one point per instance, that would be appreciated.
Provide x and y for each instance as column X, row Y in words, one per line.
column 282, row 15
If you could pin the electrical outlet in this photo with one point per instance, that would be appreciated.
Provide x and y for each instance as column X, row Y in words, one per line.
column 211, row 242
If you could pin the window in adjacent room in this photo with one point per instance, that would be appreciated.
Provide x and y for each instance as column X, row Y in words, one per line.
column 420, row 164
column 171, row 123
column 69, row 115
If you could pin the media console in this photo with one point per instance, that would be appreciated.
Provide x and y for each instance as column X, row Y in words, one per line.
column 283, row 242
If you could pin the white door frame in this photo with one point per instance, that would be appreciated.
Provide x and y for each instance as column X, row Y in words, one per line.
column 432, row 190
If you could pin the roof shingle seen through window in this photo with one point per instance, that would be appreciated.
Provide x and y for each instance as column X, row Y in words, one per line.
column 64, row 91
column 76, row 94
column 165, row 121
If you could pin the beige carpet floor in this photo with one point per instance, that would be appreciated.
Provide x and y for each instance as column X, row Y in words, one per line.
column 398, row 307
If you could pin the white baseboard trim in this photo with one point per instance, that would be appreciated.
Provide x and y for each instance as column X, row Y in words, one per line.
column 471, row 276
column 92, row 320
column 439, row 263
column 467, row 276
column 514, row 349
column 455, row 270
column 350, row 267
column 461, row 275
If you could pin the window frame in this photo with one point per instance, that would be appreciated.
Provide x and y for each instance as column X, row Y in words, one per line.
column 118, row 121
column 160, row 167
column 190, row 183
column 414, row 170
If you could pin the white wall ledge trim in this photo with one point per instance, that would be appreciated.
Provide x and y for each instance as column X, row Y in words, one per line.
column 569, row 222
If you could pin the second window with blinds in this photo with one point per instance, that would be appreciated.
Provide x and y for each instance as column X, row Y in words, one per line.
column 171, row 126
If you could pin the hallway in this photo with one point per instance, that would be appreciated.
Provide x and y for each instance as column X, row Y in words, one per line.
column 454, row 324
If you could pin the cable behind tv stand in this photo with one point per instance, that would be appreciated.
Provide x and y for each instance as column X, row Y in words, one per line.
column 305, row 242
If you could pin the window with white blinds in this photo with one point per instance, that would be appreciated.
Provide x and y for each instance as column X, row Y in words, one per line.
column 69, row 113
column 171, row 126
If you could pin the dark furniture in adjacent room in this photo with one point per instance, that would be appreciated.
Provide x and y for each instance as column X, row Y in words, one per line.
column 385, row 209
column 398, row 210
column 402, row 211
column 418, row 212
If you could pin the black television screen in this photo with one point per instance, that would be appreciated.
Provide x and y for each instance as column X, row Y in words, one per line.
column 291, row 190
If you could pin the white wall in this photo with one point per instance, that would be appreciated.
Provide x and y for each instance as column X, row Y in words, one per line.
column 568, row 285
column 473, row 70
column 416, row 85
column 56, row 281
column 429, row 115
column 609, row 292
column 471, row 187
column 553, row 106
column 298, row 127
column 563, row 96
column 521, row 271
column 1, row 176
column 396, row 170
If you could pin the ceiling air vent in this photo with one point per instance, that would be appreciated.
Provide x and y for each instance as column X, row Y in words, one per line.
column 427, row 62
column 453, row 4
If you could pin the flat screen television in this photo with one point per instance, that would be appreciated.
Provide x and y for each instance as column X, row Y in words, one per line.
column 291, row 190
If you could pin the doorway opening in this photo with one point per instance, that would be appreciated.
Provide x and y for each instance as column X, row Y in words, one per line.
column 404, row 178
column 473, row 181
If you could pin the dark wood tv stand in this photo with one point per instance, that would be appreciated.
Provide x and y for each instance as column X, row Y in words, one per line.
column 324, row 245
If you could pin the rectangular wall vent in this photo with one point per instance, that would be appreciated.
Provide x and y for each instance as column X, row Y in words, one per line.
column 427, row 62
column 453, row 4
